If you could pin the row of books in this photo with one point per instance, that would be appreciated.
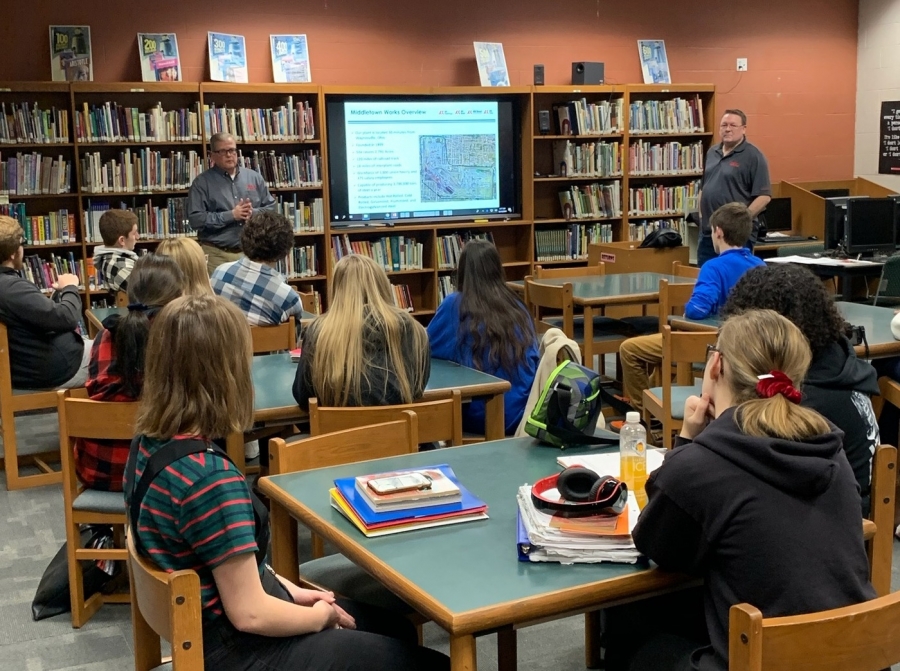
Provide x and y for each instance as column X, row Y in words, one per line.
column 301, row 261
column 445, row 287
column 291, row 121
column 677, row 115
column 34, row 173
column 169, row 220
column 592, row 201
column 563, row 244
column 24, row 123
column 111, row 122
column 659, row 199
column 390, row 503
column 579, row 117
column 43, row 273
column 671, row 158
column 46, row 229
column 402, row 297
column 587, row 159
column 393, row 253
column 449, row 247
column 141, row 170
column 300, row 169
column 639, row 230
column 306, row 217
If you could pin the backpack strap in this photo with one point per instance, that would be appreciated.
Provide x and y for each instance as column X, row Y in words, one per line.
column 570, row 436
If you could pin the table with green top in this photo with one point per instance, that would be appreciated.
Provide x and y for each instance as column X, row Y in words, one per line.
column 597, row 292
column 466, row 577
column 875, row 320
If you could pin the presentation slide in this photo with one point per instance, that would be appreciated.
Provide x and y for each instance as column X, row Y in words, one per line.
column 418, row 159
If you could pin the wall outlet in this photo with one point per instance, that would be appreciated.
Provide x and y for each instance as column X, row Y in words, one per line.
column 742, row 65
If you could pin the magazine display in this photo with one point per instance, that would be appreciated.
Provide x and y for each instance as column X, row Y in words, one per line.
column 290, row 59
column 654, row 64
column 491, row 64
column 70, row 54
column 159, row 57
column 228, row 58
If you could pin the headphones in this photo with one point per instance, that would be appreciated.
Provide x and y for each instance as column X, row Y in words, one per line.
column 581, row 491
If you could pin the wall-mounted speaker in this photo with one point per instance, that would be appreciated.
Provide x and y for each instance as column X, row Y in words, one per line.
column 585, row 72
column 538, row 75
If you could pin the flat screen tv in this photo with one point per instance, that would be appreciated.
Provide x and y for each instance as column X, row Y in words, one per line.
column 401, row 158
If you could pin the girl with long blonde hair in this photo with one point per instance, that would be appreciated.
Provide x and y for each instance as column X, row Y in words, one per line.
column 189, row 256
column 757, row 498
column 363, row 350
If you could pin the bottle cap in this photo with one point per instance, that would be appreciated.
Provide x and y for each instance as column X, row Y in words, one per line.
column 633, row 417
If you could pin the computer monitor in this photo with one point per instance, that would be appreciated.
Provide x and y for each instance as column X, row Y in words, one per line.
column 777, row 215
column 870, row 227
column 835, row 214
column 832, row 193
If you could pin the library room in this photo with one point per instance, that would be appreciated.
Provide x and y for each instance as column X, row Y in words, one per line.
column 367, row 335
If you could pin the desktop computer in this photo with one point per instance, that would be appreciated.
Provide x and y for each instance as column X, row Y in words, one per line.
column 777, row 215
column 870, row 226
column 835, row 216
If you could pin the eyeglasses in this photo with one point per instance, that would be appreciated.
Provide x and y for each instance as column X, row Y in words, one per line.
column 226, row 152
column 710, row 349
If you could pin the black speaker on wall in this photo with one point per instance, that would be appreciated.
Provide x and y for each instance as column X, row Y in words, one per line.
column 538, row 75
column 585, row 72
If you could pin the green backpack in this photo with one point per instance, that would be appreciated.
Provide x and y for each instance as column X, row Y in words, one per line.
column 567, row 411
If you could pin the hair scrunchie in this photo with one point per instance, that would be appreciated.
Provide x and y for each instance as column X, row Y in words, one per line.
column 137, row 307
column 776, row 382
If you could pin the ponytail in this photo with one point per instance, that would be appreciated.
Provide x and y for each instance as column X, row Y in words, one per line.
column 778, row 417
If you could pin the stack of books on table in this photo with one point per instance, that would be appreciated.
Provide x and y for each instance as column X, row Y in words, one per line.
column 546, row 537
column 390, row 503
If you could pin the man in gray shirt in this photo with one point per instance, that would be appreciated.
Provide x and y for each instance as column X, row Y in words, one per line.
column 735, row 171
column 221, row 199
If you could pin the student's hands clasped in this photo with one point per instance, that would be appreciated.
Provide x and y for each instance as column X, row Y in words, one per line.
column 337, row 616
column 243, row 210
column 698, row 410
column 66, row 280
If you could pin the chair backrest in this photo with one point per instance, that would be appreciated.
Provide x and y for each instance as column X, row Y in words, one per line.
column 274, row 338
column 791, row 250
column 5, row 368
column 889, row 286
column 680, row 269
column 308, row 301
column 682, row 349
column 863, row 637
column 881, row 513
column 554, row 297
column 80, row 417
column 121, row 299
column 579, row 271
column 437, row 419
column 164, row 605
column 672, row 299
column 345, row 447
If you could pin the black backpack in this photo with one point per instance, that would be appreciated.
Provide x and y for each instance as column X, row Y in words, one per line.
column 663, row 237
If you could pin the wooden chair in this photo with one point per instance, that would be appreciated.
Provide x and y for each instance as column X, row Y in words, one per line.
column 121, row 299
column 864, row 637
column 878, row 530
column 79, row 417
column 165, row 606
column 681, row 350
column 680, row 269
column 672, row 299
column 439, row 420
column 308, row 301
column 274, row 338
column 12, row 402
column 889, row 392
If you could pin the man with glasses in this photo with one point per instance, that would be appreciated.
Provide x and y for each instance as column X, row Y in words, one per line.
column 735, row 171
column 222, row 198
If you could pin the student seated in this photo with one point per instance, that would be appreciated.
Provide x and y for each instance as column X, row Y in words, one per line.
column 757, row 498
column 363, row 350
column 838, row 385
column 731, row 227
column 485, row 326
column 189, row 256
column 251, row 282
column 199, row 513
column 114, row 259
column 46, row 350
column 116, row 368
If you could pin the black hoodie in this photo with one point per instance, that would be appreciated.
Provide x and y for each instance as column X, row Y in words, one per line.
column 839, row 386
column 765, row 521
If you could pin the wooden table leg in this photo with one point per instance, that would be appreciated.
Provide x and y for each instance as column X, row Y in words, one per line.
column 507, row 658
column 284, row 543
column 462, row 653
column 588, row 347
column 494, row 418
column 592, row 631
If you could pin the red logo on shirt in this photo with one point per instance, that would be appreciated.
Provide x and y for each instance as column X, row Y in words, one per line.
column 252, row 187
column 734, row 164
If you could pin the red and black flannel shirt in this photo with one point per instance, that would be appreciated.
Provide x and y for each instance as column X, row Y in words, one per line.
column 100, row 464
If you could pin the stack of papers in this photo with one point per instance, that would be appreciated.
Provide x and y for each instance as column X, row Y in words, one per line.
column 347, row 499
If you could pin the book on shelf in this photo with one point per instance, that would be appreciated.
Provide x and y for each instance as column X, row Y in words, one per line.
column 441, row 490
column 57, row 227
column 587, row 159
column 227, row 58
column 159, row 57
column 158, row 221
column 653, row 199
column 579, row 117
column 449, row 247
column 676, row 115
column 569, row 243
column 402, row 297
column 393, row 253
column 111, row 122
column 301, row 261
column 300, row 169
column 591, row 201
column 43, row 273
column 291, row 121
column 139, row 170
column 34, row 173
column 669, row 158
column 445, row 287
column 638, row 230
column 70, row 54
column 290, row 59
column 307, row 217
column 24, row 123
column 347, row 500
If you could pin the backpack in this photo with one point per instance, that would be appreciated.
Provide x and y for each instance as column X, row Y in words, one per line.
column 662, row 237
column 567, row 411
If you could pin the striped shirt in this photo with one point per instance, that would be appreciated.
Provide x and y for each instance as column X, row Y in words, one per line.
column 196, row 515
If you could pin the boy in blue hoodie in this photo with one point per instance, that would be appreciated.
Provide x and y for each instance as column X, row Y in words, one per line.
column 731, row 227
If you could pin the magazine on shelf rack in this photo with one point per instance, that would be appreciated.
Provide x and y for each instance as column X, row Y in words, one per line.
column 290, row 59
column 227, row 58
column 70, row 54
column 491, row 64
column 159, row 57
column 654, row 63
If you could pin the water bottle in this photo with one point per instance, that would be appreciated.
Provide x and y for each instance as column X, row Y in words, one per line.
column 633, row 454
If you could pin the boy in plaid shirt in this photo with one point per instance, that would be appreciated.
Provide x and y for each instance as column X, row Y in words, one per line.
column 114, row 259
column 252, row 283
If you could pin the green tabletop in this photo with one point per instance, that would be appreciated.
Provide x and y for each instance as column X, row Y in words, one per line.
column 470, row 566
column 600, row 289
